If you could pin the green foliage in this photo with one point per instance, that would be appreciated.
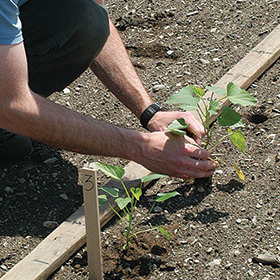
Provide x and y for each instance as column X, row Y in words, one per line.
column 192, row 98
column 128, row 204
column 178, row 127
column 115, row 172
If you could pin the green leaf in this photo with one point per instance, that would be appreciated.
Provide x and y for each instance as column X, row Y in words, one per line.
column 238, row 124
column 237, row 139
column 218, row 90
column 239, row 173
column 111, row 191
column 186, row 97
column 164, row 232
column 115, row 172
column 102, row 199
column 178, row 127
column 152, row 177
column 214, row 107
column 237, row 95
column 228, row 117
column 164, row 196
column 199, row 91
column 122, row 202
column 136, row 192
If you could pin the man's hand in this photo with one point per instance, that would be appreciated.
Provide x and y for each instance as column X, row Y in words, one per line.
column 162, row 119
column 172, row 155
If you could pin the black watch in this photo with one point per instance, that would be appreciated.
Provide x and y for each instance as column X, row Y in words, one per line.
column 149, row 112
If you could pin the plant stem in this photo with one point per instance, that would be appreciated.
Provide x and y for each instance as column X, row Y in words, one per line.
column 117, row 213
column 219, row 141
column 125, row 188
column 142, row 231
column 140, row 221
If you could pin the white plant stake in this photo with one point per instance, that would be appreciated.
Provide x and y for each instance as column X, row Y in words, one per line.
column 89, row 179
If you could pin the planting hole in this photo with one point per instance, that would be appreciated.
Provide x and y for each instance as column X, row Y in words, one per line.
column 257, row 118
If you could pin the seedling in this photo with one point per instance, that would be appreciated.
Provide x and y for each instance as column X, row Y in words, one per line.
column 128, row 203
column 191, row 98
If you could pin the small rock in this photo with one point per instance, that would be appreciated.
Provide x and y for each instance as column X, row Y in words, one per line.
column 250, row 272
column 157, row 209
column 4, row 267
column 200, row 189
column 219, row 172
column 214, row 262
column 50, row 160
column 158, row 87
column 8, row 190
column 267, row 258
column 204, row 61
column 66, row 90
column 209, row 250
column 170, row 52
column 238, row 221
column 216, row 59
column 64, row 196
column 50, row 224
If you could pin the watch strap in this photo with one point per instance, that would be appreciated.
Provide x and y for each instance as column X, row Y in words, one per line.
column 149, row 112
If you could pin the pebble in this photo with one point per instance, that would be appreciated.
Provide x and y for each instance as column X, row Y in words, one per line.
column 267, row 258
column 209, row 250
column 204, row 61
column 250, row 272
column 219, row 172
column 64, row 196
column 238, row 221
column 50, row 160
column 8, row 190
column 214, row 262
column 4, row 267
column 157, row 209
column 201, row 189
column 66, row 90
column 50, row 224
column 158, row 87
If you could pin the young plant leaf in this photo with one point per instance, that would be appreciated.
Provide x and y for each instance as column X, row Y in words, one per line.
column 186, row 97
column 152, row 177
column 218, row 90
column 214, row 107
column 237, row 95
column 115, row 172
column 136, row 192
column 102, row 199
column 164, row 232
column 164, row 196
column 228, row 117
column 111, row 191
column 199, row 91
column 238, row 124
column 122, row 202
column 178, row 127
column 239, row 173
column 238, row 139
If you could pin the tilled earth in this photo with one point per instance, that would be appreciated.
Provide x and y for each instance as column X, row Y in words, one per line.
column 218, row 225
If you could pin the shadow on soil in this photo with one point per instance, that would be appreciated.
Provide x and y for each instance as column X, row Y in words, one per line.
column 44, row 187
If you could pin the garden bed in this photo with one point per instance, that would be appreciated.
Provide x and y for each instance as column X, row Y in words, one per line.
column 221, row 219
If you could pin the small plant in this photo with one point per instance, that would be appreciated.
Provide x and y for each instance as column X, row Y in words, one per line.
column 128, row 203
column 191, row 98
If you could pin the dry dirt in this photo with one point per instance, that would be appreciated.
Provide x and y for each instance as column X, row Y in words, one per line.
column 218, row 225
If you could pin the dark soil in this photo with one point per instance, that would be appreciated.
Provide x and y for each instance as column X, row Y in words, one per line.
column 217, row 225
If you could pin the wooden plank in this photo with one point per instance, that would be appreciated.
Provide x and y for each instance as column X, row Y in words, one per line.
column 253, row 65
column 53, row 251
column 93, row 236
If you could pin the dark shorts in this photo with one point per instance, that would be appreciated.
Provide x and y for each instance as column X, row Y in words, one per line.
column 61, row 39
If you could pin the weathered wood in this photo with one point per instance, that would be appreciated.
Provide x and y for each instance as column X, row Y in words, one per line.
column 54, row 250
column 93, row 237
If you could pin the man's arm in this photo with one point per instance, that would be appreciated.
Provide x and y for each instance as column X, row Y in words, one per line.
column 26, row 113
column 114, row 68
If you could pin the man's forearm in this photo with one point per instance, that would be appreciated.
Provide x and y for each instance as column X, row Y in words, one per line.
column 114, row 68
